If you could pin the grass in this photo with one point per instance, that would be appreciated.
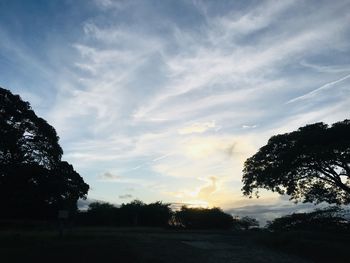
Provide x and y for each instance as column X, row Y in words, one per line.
column 95, row 245
column 315, row 246
column 48, row 247
column 159, row 245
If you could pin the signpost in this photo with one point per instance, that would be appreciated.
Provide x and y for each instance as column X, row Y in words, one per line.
column 62, row 217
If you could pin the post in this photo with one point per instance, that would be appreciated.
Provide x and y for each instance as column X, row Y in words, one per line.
column 62, row 216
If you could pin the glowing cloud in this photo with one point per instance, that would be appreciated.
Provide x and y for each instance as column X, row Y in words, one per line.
column 197, row 128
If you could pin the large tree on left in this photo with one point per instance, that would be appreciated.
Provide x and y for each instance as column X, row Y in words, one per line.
column 34, row 181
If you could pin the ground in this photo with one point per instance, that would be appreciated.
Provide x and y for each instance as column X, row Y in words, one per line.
column 136, row 245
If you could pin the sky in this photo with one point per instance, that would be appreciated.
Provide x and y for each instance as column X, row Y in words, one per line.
column 165, row 100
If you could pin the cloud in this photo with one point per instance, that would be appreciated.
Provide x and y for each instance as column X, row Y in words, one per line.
column 264, row 213
column 207, row 190
column 214, row 73
column 126, row 196
column 212, row 64
column 326, row 68
column 197, row 128
column 161, row 157
column 83, row 204
column 245, row 126
column 314, row 93
column 107, row 176
column 182, row 93
column 111, row 4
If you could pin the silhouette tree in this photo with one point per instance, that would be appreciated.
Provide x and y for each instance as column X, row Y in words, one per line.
column 156, row 214
column 329, row 218
column 99, row 213
column 203, row 218
column 135, row 213
column 131, row 212
column 311, row 164
column 245, row 222
column 33, row 179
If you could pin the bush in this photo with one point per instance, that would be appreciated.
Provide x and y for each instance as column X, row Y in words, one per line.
column 245, row 223
column 330, row 218
column 203, row 218
column 135, row 213
column 99, row 214
column 141, row 214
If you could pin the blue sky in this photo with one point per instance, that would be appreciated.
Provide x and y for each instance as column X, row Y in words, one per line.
column 164, row 100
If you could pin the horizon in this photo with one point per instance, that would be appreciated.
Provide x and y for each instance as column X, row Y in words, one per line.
column 165, row 100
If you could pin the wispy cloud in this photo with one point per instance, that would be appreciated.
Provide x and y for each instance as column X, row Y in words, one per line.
column 126, row 196
column 245, row 126
column 327, row 68
column 314, row 93
column 216, row 73
column 197, row 128
column 166, row 96
column 207, row 190
column 109, row 176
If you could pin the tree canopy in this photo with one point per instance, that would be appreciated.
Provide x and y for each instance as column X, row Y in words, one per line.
column 311, row 164
column 135, row 213
column 246, row 222
column 329, row 218
column 203, row 218
column 34, row 181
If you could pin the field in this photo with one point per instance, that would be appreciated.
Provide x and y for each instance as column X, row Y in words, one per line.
column 137, row 245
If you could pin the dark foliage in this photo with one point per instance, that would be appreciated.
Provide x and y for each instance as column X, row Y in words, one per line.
column 321, row 246
column 311, row 164
column 245, row 223
column 135, row 213
column 158, row 214
column 203, row 218
column 103, row 214
column 33, row 180
column 327, row 219
column 138, row 213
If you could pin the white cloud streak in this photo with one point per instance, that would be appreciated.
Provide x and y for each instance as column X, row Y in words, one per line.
column 314, row 93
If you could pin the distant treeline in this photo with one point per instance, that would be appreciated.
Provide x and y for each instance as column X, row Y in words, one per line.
column 135, row 213
column 158, row 214
column 333, row 218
